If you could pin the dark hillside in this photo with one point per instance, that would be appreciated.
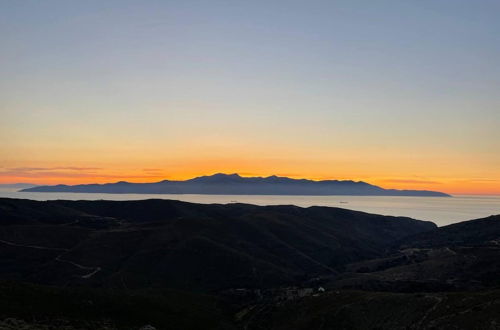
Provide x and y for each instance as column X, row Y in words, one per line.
column 164, row 243
column 462, row 256
column 122, row 265
column 478, row 232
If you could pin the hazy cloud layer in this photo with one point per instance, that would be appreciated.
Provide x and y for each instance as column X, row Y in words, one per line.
column 69, row 168
column 65, row 172
column 411, row 181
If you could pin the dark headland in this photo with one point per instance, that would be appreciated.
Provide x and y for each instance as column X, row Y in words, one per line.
column 234, row 184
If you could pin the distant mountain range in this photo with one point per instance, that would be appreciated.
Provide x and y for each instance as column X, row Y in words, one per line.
column 234, row 184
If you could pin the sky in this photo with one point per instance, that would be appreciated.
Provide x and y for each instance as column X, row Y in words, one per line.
column 402, row 94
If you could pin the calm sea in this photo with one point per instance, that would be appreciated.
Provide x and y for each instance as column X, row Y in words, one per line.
column 440, row 210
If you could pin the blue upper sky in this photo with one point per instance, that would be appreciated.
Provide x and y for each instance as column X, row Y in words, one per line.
column 286, row 80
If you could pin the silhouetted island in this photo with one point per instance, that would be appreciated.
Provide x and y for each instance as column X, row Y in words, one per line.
column 234, row 184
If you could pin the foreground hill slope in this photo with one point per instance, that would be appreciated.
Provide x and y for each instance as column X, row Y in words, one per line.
column 35, row 307
column 380, row 310
column 233, row 184
column 120, row 265
column 446, row 278
column 163, row 243
column 462, row 256
column 28, row 306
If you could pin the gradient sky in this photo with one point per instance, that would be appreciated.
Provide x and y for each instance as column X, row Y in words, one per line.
column 403, row 94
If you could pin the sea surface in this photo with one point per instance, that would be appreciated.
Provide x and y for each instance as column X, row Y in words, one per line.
column 440, row 210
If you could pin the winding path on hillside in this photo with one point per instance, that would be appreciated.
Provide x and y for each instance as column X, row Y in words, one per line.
column 93, row 270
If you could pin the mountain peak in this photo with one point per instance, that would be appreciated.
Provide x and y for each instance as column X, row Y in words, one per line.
column 233, row 175
column 218, row 177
